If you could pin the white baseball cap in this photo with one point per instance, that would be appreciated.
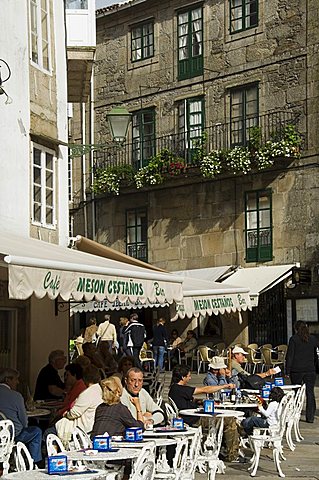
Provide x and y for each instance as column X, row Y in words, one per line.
column 239, row 350
column 216, row 363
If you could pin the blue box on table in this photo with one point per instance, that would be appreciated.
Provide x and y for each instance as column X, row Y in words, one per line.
column 57, row 464
column 178, row 423
column 134, row 434
column 209, row 406
column 102, row 443
column 265, row 392
column 279, row 381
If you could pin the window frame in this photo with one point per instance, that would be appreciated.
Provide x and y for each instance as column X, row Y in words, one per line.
column 259, row 252
column 192, row 65
column 185, row 134
column 44, row 188
column 138, row 213
column 243, row 17
column 247, row 120
column 143, row 37
column 139, row 142
column 37, row 33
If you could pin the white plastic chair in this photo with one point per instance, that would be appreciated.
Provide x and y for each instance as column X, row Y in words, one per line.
column 54, row 444
column 144, row 472
column 80, row 439
column 22, row 458
column 173, row 404
column 194, row 453
column 205, row 355
column 271, row 437
column 6, row 443
column 179, row 463
column 209, row 458
column 294, row 418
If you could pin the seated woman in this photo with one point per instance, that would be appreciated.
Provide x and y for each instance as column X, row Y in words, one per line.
column 112, row 416
column 270, row 414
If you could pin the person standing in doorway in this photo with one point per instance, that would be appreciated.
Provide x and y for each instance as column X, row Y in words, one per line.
column 107, row 333
column 160, row 340
column 301, row 364
column 135, row 336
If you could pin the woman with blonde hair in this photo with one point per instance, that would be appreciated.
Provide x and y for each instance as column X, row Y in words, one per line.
column 112, row 416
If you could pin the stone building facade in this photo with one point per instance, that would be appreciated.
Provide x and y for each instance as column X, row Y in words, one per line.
column 182, row 68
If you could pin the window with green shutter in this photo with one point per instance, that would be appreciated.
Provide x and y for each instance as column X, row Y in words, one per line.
column 190, row 43
column 243, row 15
column 136, row 233
column 143, row 137
column 244, row 113
column 258, row 216
column 191, row 118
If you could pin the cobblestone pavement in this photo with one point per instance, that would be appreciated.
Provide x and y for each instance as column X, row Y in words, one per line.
column 302, row 463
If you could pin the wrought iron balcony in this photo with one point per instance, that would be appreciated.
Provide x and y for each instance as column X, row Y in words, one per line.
column 221, row 136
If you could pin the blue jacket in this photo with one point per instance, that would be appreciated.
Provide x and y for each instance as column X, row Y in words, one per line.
column 12, row 405
column 212, row 379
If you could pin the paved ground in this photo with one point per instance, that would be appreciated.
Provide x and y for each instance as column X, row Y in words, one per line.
column 302, row 463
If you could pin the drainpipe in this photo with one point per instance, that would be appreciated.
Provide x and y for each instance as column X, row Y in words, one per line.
column 91, row 153
column 84, row 171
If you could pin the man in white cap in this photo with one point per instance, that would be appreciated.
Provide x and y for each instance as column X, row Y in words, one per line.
column 218, row 373
column 238, row 358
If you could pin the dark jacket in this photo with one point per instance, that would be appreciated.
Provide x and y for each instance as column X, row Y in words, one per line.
column 301, row 356
column 160, row 337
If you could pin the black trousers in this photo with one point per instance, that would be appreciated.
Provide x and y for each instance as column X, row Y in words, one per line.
column 309, row 378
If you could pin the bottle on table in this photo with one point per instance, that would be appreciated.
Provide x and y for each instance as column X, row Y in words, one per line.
column 233, row 395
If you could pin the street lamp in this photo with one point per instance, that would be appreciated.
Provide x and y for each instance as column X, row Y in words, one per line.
column 119, row 119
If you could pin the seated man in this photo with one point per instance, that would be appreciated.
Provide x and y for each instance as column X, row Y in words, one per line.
column 134, row 388
column 218, row 374
column 182, row 394
column 49, row 384
column 238, row 358
column 12, row 405
column 185, row 348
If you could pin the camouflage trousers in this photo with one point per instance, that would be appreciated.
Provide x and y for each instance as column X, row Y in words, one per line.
column 230, row 439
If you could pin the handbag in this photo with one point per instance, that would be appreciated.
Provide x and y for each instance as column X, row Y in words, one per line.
column 251, row 381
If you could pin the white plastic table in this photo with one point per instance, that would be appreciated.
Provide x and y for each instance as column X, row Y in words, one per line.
column 43, row 475
column 118, row 454
column 238, row 405
column 218, row 413
column 151, row 434
column 291, row 387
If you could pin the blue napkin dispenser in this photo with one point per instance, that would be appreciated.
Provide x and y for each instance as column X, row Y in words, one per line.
column 209, row 406
column 101, row 442
column 134, row 434
column 57, row 464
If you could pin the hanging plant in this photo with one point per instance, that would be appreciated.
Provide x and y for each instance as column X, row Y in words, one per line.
column 238, row 160
column 110, row 179
column 211, row 165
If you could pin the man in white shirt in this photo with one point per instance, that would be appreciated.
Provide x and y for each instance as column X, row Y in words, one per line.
column 134, row 388
column 107, row 333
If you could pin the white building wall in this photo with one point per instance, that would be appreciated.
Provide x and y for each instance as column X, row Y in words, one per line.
column 15, row 120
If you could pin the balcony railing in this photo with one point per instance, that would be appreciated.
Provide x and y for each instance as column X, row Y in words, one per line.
column 221, row 136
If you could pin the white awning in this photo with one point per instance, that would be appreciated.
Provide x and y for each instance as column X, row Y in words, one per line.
column 210, row 274
column 259, row 279
column 199, row 298
column 206, row 298
column 40, row 268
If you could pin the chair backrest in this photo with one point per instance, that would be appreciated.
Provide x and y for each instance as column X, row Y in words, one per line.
column 145, row 471
column 266, row 355
column 179, row 461
column 195, row 445
column 203, row 352
column 80, row 439
column 22, row 458
column 54, row 444
column 2, row 416
column 282, row 352
column 6, row 443
column 173, row 404
column 170, row 412
column 219, row 348
column 147, row 454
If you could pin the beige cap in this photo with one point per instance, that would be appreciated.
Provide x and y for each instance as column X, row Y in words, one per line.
column 217, row 363
column 239, row 350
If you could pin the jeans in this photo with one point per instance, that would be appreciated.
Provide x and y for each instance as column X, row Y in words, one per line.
column 32, row 437
column 309, row 379
column 251, row 422
column 159, row 353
